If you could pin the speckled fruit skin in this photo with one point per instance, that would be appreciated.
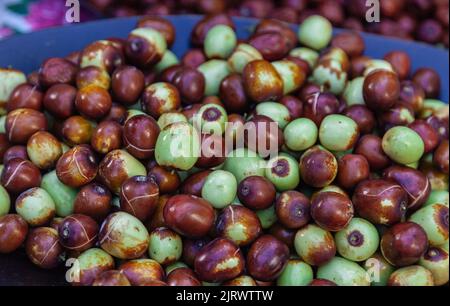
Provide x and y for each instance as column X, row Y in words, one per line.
column 404, row 244
column 77, row 167
column 91, row 263
column 165, row 246
column 44, row 149
column 314, row 245
column 318, row 167
column 411, row 276
column 380, row 201
column 262, row 82
column 93, row 200
column 78, row 232
column 140, row 271
column 267, row 258
column 344, row 273
column 13, row 232
column 238, row 224
column 219, row 261
column 415, row 183
column 189, row 215
column 293, row 209
column 123, row 236
column 116, row 167
column 36, row 206
column 331, row 210
column 43, row 248
column 434, row 220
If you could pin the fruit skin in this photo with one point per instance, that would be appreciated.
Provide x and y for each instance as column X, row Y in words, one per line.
column 214, row 72
column 62, row 195
column 403, row 244
column 315, row 32
column 358, row 241
column 178, row 146
column 296, row 273
column 145, row 47
column 182, row 277
column 90, row 264
column 338, row 133
column 78, row 232
column 301, row 141
column 123, row 236
column 44, row 149
column 5, row 201
column 411, row 276
column 220, row 42
column 381, row 89
column 283, row 172
column 437, row 261
column 331, row 210
column 415, row 183
column 36, row 206
column 13, row 232
column 353, row 169
column 293, row 209
column 140, row 134
column 380, row 201
column 111, row 278
column 379, row 269
column 267, row 258
column 77, row 167
column 238, row 224
column 403, row 145
column 262, row 82
column 318, row 167
column 116, row 167
column 219, row 261
column 93, row 200
column 256, row 192
column 241, row 56
column 189, row 216
column 19, row 175
column 244, row 163
column 43, row 248
column 220, row 188
column 344, row 273
column 314, row 245
column 139, row 197
column 165, row 246
column 434, row 220
column 241, row 281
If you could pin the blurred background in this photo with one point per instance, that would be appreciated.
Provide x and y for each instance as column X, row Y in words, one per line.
column 423, row 20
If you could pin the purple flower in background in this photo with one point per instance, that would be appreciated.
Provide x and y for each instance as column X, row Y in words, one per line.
column 46, row 13
column 49, row 13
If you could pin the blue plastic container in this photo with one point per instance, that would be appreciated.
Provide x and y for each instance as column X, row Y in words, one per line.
column 27, row 52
